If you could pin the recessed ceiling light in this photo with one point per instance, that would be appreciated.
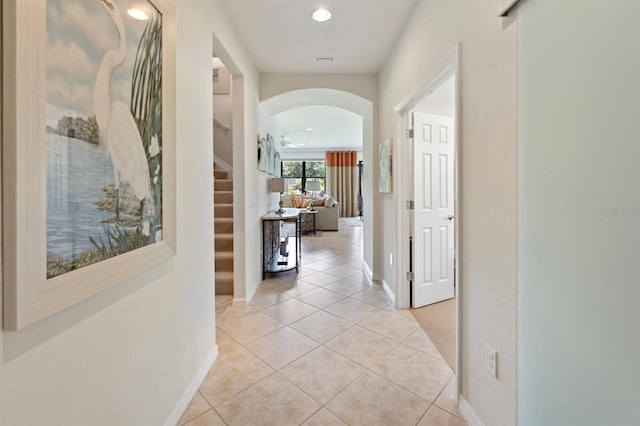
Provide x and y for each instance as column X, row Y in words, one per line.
column 321, row 15
column 309, row 129
column 138, row 14
column 311, row 142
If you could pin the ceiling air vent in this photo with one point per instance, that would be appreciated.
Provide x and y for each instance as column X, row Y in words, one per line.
column 325, row 59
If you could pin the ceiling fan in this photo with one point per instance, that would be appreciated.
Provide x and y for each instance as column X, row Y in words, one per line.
column 288, row 144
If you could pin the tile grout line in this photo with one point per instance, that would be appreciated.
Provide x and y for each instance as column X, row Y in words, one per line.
column 351, row 325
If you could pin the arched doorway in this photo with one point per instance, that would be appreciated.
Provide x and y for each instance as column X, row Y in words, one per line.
column 288, row 100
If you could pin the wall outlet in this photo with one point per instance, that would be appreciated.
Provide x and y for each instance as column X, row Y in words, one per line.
column 391, row 259
column 492, row 360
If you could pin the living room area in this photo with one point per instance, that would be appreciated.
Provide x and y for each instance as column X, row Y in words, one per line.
column 324, row 189
column 318, row 149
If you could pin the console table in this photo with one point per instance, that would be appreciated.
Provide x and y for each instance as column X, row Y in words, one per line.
column 272, row 260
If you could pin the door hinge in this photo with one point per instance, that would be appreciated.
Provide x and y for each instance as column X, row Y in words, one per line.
column 411, row 276
column 410, row 205
column 409, row 134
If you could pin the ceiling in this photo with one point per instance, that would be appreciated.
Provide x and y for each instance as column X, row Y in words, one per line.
column 332, row 128
column 282, row 37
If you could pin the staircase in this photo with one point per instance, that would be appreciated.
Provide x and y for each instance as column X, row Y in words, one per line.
column 223, row 228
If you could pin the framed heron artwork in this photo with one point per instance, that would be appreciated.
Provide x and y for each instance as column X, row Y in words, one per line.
column 89, row 147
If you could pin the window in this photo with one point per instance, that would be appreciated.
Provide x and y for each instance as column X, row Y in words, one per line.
column 298, row 173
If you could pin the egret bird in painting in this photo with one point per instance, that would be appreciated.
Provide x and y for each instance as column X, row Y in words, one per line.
column 119, row 133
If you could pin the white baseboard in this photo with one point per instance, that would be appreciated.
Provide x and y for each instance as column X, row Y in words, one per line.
column 191, row 390
column 369, row 272
column 253, row 289
column 390, row 293
column 469, row 413
column 237, row 301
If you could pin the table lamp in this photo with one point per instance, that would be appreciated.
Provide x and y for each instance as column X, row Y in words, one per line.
column 277, row 185
column 312, row 185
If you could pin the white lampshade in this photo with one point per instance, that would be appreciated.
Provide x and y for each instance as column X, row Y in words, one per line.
column 277, row 184
column 312, row 185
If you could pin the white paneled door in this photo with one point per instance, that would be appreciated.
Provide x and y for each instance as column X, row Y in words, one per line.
column 433, row 221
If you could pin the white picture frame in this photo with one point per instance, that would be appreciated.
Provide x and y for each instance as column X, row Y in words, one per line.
column 28, row 295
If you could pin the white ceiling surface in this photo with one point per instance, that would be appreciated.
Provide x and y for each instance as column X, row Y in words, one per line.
column 333, row 128
column 282, row 37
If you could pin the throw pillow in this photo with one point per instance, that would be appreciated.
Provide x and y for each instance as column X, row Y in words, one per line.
column 287, row 201
column 329, row 201
column 318, row 202
column 306, row 203
column 297, row 202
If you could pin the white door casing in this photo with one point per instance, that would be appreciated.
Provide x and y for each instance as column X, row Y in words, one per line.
column 433, row 214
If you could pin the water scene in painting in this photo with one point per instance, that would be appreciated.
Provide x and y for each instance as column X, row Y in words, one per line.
column 104, row 130
column 73, row 194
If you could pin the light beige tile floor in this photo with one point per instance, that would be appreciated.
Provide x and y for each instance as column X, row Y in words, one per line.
column 323, row 347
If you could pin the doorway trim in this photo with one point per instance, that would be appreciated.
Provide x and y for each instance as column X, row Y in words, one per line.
column 239, row 172
column 450, row 66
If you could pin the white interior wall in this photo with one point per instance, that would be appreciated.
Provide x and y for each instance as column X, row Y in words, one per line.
column 294, row 154
column 223, row 111
column 256, row 196
column 130, row 354
column 578, row 341
column 270, row 125
column 488, row 191
column 309, row 155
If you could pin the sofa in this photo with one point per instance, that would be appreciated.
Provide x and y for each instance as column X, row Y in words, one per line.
column 328, row 210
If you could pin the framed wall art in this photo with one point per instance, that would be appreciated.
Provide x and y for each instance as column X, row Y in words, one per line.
column 88, row 148
column 386, row 169
column 269, row 160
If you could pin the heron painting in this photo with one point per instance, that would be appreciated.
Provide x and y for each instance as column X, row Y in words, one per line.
column 104, row 130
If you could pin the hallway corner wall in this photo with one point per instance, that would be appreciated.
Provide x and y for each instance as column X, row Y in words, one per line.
column 487, row 219
column 129, row 353
column 579, row 212
column 107, row 354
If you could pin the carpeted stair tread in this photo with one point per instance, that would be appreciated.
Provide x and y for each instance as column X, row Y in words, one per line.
column 224, row 282
column 223, row 225
column 220, row 174
column 223, row 242
column 223, row 185
column 223, row 231
column 224, row 261
column 223, row 210
column 223, row 197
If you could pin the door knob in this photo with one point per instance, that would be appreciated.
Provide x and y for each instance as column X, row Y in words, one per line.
column 450, row 217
